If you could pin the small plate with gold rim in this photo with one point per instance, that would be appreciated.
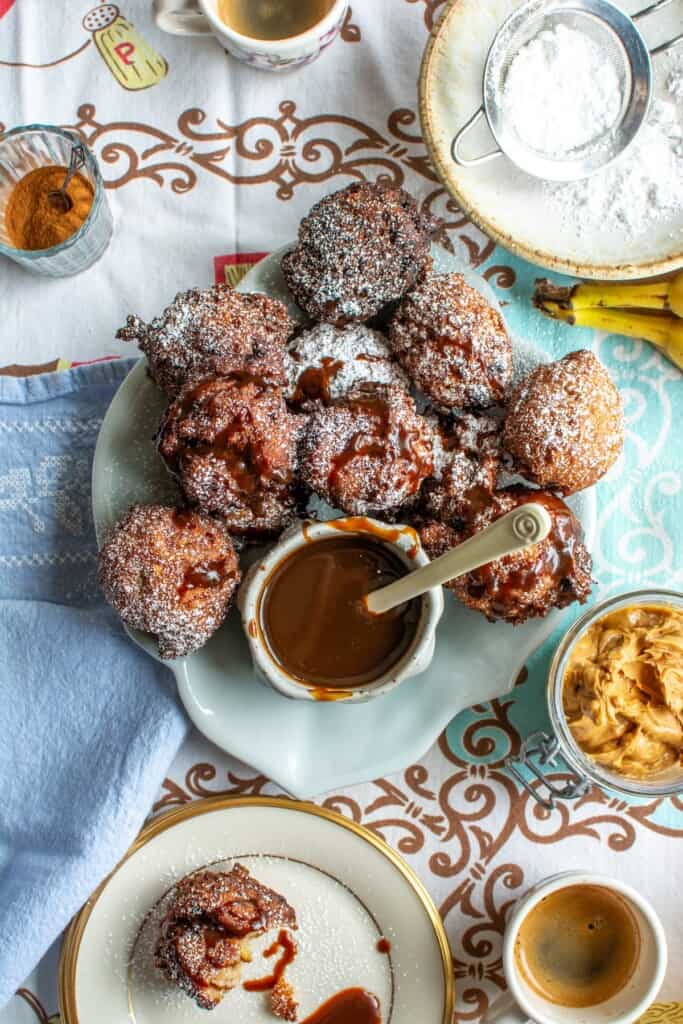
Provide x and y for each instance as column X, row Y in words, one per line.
column 348, row 888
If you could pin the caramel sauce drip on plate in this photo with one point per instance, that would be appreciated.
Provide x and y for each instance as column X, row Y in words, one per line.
column 350, row 1006
column 289, row 948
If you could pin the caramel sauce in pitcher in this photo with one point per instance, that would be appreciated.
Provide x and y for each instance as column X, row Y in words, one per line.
column 315, row 622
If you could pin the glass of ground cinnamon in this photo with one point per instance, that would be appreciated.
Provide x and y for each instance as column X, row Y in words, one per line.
column 42, row 234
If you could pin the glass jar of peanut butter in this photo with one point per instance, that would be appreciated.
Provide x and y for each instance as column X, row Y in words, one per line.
column 615, row 699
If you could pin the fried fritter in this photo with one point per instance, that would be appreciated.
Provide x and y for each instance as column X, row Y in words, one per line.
column 204, row 935
column 232, row 444
column 368, row 452
column 564, row 425
column 171, row 573
column 452, row 344
column 358, row 249
column 328, row 362
column 467, row 457
column 551, row 574
column 212, row 332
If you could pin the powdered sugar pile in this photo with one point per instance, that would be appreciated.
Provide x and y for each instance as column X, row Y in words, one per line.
column 642, row 187
column 561, row 91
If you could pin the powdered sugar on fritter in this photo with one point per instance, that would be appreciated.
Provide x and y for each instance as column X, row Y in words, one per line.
column 369, row 452
column 364, row 356
column 358, row 249
column 212, row 332
column 452, row 343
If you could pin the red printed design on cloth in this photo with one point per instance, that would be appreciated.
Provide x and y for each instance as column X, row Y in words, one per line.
column 231, row 269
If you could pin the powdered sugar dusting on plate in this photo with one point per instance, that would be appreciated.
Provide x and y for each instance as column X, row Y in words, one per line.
column 643, row 186
column 336, row 938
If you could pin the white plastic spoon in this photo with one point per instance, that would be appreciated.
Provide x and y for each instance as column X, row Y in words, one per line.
column 519, row 529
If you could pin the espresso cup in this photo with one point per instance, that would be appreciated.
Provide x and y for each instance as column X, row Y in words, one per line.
column 521, row 1002
column 200, row 18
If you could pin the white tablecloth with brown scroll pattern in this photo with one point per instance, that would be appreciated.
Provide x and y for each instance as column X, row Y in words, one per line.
column 216, row 159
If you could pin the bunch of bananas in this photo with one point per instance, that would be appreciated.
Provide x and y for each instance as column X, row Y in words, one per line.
column 617, row 308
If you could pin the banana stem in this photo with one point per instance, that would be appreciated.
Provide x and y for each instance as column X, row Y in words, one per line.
column 667, row 295
column 665, row 332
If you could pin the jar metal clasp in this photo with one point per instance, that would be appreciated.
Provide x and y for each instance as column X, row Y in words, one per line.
column 544, row 749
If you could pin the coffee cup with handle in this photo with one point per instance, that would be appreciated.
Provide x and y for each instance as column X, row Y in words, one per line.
column 201, row 17
column 522, row 1002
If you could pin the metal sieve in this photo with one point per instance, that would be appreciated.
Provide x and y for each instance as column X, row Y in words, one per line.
column 617, row 35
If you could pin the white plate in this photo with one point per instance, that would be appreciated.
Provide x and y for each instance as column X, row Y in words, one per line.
column 347, row 887
column 305, row 746
column 510, row 206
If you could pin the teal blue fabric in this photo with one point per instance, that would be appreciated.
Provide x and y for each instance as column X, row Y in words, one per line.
column 639, row 538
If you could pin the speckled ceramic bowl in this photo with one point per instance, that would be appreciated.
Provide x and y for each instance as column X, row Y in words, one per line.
column 514, row 209
column 404, row 542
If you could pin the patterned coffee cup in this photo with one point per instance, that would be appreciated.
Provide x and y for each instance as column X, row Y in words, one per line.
column 200, row 17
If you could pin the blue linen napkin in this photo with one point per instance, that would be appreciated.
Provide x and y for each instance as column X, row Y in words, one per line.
column 88, row 723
